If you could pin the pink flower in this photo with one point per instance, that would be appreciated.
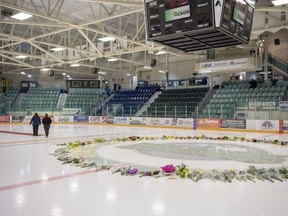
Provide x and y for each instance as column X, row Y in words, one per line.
column 168, row 168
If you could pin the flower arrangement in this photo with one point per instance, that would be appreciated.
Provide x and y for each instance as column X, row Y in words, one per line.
column 203, row 137
column 182, row 170
column 168, row 168
column 65, row 155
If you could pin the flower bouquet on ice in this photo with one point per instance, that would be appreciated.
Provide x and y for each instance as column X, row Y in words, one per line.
column 182, row 170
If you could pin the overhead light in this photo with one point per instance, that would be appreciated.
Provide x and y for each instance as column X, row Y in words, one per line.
column 162, row 71
column 147, row 67
column 29, row 75
column 204, row 71
column 128, row 74
column 21, row 16
column 21, row 57
column 113, row 59
column 101, row 72
column 56, row 49
column 105, row 39
column 280, row 2
column 45, row 69
column 74, row 65
column 68, row 76
column 64, row 74
column 23, row 73
column 160, row 52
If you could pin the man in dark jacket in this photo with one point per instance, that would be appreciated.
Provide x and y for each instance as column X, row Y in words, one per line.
column 35, row 121
column 46, row 121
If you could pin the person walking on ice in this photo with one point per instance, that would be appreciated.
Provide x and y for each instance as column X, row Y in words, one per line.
column 46, row 121
column 35, row 121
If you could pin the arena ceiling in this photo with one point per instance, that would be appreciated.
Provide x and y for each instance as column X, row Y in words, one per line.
column 77, row 26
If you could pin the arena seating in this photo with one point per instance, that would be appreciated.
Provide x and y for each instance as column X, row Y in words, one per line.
column 39, row 98
column 239, row 93
column 7, row 100
column 128, row 102
column 83, row 98
column 179, row 103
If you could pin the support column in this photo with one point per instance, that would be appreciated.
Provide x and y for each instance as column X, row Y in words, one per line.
column 265, row 60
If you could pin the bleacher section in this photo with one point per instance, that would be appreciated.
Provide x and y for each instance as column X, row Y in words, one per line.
column 240, row 93
column 40, row 98
column 128, row 102
column 179, row 103
column 8, row 99
column 84, row 98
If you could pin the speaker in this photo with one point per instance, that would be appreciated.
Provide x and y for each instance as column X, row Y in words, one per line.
column 51, row 73
column 277, row 41
column 96, row 70
column 153, row 62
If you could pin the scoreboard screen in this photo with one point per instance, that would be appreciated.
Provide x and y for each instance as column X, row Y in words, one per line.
column 237, row 18
column 166, row 17
column 199, row 24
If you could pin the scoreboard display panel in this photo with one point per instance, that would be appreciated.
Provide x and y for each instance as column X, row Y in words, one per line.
column 166, row 17
column 191, row 25
column 237, row 18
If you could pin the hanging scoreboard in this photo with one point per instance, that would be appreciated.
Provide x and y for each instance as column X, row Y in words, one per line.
column 191, row 25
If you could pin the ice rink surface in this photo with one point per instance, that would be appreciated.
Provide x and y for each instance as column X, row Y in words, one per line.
column 34, row 183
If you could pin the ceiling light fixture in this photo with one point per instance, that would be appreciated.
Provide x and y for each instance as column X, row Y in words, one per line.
column 75, row 65
column 23, row 73
column 280, row 2
column 45, row 69
column 162, row 71
column 20, row 57
column 64, row 74
column 29, row 75
column 21, row 16
column 56, row 49
column 68, row 76
column 160, row 52
column 105, row 39
column 147, row 67
column 101, row 72
column 113, row 59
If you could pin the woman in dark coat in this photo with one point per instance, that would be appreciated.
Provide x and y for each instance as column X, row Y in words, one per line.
column 35, row 121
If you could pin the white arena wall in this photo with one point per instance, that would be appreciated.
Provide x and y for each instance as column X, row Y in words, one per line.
column 273, row 126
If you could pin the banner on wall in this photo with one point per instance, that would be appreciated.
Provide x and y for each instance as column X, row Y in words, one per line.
column 285, row 124
column 137, row 120
column 160, row 121
column 185, row 122
column 17, row 119
column 281, row 128
column 80, row 118
column 27, row 119
column 267, row 125
column 283, row 104
column 71, row 111
column 104, row 119
column 258, row 105
column 121, row 120
column 4, row 118
column 110, row 120
column 209, row 123
column 63, row 119
column 223, row 65
column 233, row 123
column 95, row 119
